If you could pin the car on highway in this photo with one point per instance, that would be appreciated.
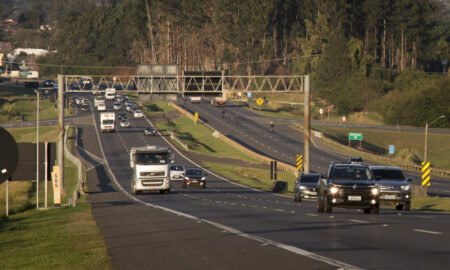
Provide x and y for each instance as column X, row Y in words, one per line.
column 348, row 185
column 138, row 113
column 119, row 98
column 49, row 84
column 117, row 106
column 176, row 172
column 84, row 108
column 395, row 189
column 101, row 107
column 194, row 176
column 79, row 101
column 306, row 186
column 122, row 116
column 150, row 131
column 129, row 106
column 125, row 123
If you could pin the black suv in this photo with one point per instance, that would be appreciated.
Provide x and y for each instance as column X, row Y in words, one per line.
column 348, row 185
column 306, row 186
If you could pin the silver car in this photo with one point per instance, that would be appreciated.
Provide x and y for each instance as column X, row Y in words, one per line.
column 176, row 172
column 306, row 186
column 395, row 189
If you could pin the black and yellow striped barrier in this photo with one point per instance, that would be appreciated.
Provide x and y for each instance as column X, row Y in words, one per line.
column 299, row 163
column 426, row 179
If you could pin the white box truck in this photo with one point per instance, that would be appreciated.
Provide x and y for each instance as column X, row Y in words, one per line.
column 110, row 93
column 150, row 166
column 107, row 121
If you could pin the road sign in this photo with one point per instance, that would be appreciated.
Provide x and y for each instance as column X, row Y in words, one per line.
column 426, row 178
column 355, row 136
column 8, row 156
column 391, row 149
column 196, row 117
column 260, row 101
column 249, row 95
column 273, row 170
column 299, row 163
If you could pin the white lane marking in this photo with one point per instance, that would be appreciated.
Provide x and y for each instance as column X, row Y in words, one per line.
column 425, row 217
column 312, row 215
column 358, row 221
column 279, row 210
column 233, row 231
column 426, row 231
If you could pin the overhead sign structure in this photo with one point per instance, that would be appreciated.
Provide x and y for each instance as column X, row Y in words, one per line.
column 426, row 178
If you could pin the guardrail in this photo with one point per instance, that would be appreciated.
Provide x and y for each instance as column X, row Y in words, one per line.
column 75, row 160
column 264, row 159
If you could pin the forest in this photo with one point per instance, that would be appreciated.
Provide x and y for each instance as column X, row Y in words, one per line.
column 382, row 56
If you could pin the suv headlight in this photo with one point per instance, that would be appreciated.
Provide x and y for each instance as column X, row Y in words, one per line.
column 375, row 191
column 406, row 187
column 334, row 190
column 302, row 187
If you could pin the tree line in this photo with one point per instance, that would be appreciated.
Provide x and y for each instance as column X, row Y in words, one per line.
column 360, row 53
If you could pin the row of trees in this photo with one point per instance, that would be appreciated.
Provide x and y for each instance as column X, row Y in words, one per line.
column 354, row 49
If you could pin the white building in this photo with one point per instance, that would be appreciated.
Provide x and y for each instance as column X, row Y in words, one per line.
column 37, row 52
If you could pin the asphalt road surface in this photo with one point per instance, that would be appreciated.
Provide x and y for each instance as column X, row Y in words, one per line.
column 344, row 239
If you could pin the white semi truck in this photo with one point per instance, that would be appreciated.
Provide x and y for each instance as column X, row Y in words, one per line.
column 107, row 121
column 150, row 166
column 110, row 93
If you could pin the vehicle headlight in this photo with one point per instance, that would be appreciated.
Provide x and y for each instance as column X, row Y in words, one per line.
column 203, row 178
column 375, row 191
column 186, row 178
column 302, row 187
column 406, row 187
column 334, row 190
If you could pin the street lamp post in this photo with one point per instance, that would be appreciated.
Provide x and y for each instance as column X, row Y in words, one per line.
column 425, row 158
column 37, row 151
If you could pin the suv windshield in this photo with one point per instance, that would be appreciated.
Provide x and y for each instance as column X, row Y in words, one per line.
column 390, row 174
column 350, row 173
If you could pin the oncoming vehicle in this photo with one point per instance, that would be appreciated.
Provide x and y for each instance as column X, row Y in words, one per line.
column 125, row 123
column 107, row 120
column 306, row 186
column 150, row 166
column 194, row 176
column 348, row 186
column 98, row 100
column 395, row 189
column 150, row 131
column 101, row 107
column 176, row 172
column 117, row 106
column 110, row 93
column 138, row 113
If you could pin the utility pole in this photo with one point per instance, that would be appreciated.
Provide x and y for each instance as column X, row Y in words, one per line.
column 306, row 125
column 61, row 129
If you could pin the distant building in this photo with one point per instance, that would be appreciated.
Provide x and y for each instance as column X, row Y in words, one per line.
column 36, row 52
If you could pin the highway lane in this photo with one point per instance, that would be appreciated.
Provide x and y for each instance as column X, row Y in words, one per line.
column 389, row 241
column 282, row 144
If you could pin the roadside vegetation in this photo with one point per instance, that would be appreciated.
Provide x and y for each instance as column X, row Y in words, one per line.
column 63, row 237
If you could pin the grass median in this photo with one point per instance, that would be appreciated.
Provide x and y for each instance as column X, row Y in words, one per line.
column 59, row 238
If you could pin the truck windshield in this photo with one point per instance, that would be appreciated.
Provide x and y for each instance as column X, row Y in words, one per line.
column 151, row 158
column 108, row 122
column 350, row 173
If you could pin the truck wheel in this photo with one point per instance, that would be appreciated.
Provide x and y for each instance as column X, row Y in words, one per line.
column 328, row 207
column 366, row 210
column 399, row 207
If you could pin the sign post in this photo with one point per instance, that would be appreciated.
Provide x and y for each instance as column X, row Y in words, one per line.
column 196, row 117
column 355, row 137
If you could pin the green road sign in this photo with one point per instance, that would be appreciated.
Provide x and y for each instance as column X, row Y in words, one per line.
column 355, row 136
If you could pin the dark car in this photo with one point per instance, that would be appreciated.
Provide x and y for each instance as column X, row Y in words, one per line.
column 194, row 177
column 348, row 185
column 49, row 84
column 150, row 131
column 84, row 108
column 395, row 189
column 123, row 116
column 306, row 186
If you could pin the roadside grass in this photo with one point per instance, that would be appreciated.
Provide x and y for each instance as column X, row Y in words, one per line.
column 253, row 177
column 28, row 134
column 431, row 204
column 19, row 197
column 408, row 145
column 64, row 238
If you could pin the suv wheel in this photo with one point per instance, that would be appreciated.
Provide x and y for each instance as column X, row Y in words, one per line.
column 376, row 210
column 328, row 207
column 366, row 210
column 407, row 206
column 320, row 207
column 399, row 207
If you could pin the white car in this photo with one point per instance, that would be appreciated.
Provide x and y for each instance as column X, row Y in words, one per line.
column 125, row 123
column 117, row 106
column 138, row 114
column 176, row 172
column 101, row 107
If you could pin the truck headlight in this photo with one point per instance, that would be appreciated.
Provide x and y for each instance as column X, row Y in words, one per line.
column 375, row 191
column 406, row 187
column 302, row 187
column 334, row 190
column 186, row 178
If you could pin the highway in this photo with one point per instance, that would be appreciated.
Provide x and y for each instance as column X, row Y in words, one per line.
column 345, row 239
column 282, row 144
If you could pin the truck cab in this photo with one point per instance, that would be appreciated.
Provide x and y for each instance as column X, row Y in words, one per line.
column 151, row 169
column 107, row 121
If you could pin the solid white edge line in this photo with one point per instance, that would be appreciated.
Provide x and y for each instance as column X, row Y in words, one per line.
column 358, row 221
column 426, row 231
column 231, row 230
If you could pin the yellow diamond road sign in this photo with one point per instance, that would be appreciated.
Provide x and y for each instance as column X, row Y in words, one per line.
column 260, row 101
column 426, row 179
column 196, row 117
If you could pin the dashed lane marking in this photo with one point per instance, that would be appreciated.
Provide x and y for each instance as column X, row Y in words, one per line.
column 426, row 231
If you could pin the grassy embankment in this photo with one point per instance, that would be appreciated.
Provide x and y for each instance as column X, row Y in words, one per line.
column 213, row 153
column 61, row 238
